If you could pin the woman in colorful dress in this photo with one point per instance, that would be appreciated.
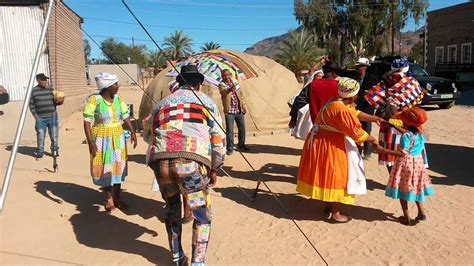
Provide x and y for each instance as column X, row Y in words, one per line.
column 409, row 180
column 325, row 167
column 106, row 111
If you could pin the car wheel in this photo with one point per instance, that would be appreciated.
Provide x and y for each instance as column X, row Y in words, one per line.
column 446, row 105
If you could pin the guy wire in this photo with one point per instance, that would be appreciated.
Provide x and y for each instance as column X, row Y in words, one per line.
column 243, row 156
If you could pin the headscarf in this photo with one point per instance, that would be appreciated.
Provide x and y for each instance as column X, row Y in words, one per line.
column 413, row 117
column 104, row 80
column 347, row 87
column 401, row 64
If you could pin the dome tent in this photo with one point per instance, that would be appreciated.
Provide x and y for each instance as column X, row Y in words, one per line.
column 266, row 85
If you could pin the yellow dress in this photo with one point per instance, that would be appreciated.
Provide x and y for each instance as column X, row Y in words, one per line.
column 323, row 169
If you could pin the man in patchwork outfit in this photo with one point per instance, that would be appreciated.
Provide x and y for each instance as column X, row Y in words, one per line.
column 187, row 149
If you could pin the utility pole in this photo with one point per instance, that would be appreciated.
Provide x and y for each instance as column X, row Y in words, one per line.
column 133, row 42
column 393, row 27
column 400, row 46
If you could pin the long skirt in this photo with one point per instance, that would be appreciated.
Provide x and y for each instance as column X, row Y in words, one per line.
column 409, row 179
column 109, row 165
column 323, row 169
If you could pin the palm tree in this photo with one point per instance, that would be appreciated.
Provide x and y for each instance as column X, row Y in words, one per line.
column 298, row 52
column 178, row 44
column 209, row 46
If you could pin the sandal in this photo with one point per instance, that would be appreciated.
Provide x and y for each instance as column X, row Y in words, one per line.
column 421, row 217
column 109, row 208
column 334, row 221
column 120, row 204
column 405, row 221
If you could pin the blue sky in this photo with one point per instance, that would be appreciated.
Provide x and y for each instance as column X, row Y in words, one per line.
column 235, row 25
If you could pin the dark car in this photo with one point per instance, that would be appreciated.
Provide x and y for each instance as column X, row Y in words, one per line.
column 440, row 91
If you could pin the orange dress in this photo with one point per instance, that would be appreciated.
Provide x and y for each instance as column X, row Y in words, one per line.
column 323, row 169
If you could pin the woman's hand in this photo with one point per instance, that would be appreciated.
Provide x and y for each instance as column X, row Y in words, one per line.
column 133, row 139
column 379, row 120
column 92, row 147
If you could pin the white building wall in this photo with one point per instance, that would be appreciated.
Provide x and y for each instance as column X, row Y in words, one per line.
column 20, row 30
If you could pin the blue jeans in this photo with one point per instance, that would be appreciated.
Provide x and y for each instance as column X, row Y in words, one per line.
column 50, row 123
column 229, row 126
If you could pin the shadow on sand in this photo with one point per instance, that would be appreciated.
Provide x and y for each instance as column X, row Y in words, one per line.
column 272, row 149
column 299, row 208
column 25, row 150
column 454, row 162
column 104, row 231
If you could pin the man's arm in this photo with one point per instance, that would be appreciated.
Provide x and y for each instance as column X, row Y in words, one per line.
column 33, row 107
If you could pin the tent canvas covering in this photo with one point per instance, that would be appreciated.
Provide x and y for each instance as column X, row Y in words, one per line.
column 267, row 86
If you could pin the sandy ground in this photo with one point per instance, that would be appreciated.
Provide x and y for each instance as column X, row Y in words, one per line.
column 57, row 218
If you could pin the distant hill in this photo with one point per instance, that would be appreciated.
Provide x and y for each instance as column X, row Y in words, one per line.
column 269, row 46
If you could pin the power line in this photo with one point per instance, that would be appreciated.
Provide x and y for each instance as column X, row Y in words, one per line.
column 144, row 40
column 179, row 27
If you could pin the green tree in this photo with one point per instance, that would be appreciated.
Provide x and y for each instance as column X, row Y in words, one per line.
column 178, row 44
column 157, row 59
column 210, row 46
column 120, row 53
column 358, row 26
column 416, row 53
column 87, row 51
column 298, row 52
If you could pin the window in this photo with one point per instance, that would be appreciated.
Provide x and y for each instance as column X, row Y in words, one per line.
column 439, row 55
column 466, row 52
column 452, row 53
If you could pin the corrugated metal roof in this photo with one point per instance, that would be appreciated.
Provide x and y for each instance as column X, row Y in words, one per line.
column 21, row 2
column 20, row 30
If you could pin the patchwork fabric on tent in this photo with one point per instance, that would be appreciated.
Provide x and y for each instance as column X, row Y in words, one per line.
column 404, row 94
column 211, row 63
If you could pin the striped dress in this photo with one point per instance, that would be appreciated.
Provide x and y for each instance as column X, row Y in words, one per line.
column 109, row 165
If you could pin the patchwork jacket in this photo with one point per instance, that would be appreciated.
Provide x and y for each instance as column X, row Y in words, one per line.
column 180, row 126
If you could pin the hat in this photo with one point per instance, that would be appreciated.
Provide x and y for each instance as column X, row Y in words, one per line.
column 41, row 76
column 347, row 87
column 414, row 117
column 190, row 75
column 331, row 65
column 104, row 80
column 363, row 62
column 401, row 64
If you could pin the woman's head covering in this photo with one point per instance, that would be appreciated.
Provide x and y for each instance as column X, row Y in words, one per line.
column 414, row 117
column 347, row 87
column 104, row 80
column 401, row 64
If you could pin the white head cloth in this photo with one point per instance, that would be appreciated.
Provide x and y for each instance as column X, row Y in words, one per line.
column 104, row 80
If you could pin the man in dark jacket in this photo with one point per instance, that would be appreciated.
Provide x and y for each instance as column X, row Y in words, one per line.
column 366, row 81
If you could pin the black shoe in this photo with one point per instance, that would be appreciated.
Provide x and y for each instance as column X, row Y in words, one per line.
column 243, row 148
column 38, row 156
column 229, row 152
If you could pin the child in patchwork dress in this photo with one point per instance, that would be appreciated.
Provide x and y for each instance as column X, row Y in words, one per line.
column 409, row 179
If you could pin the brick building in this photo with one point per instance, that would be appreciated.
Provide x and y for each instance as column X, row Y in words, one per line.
column 62, row 59
column 449, row 41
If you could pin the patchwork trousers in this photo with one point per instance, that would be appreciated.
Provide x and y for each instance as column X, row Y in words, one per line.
column 182, row 176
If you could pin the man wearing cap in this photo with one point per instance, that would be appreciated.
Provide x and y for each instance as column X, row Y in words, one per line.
column 187, row 149
column 316, row 94
column 43, row 109
column 366, row 81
